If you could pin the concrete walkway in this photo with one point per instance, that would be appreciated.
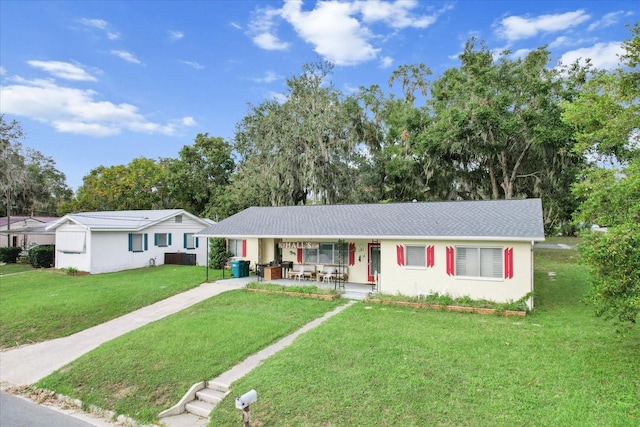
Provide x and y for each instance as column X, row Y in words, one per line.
column 247, row 365
column 28, row 364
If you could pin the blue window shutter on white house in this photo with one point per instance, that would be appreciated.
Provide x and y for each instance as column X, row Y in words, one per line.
column 197, row 241
column 146, row 245
column 130, row 242
column 184, row 240
column 155, row 239
column 169, row 239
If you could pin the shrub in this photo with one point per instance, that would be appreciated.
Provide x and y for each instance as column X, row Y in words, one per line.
column 218, row 253
column 42, row 256
column 10, row 254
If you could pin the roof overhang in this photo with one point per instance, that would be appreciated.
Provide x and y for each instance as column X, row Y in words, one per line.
column 373, row 237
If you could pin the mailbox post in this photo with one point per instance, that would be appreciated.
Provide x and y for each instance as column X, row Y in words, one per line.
column 244, row 402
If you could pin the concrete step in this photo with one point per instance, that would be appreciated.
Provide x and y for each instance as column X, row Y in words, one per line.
column 215, row 385
column 199, row 408
column 211, row 396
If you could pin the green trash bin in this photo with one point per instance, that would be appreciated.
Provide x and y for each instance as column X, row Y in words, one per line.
column 235, row 268
column 244, row 267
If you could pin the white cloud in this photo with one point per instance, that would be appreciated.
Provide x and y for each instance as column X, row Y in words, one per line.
column 188, row 121
column 100, row 24
column 63, row 70
column 608, row 20
column 280, row 98
column 78, row 111
column 269, row 41
column 339, row 31
column 269, row 77
column 236, row 26
column 602, row 55
column 2, row 71
column 194, row 64
column 395, row 14
column 386, row 62
column 176, row 35
column 127, row 56
column 515, row 28
column 336, row 35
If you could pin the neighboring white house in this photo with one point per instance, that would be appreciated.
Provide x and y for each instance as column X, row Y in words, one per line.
column 101, row 242
column 480, row 249
column 25, row 231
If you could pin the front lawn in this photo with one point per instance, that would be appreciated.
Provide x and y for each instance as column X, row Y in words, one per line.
column 47, row 304
column 150, row 369
column 380, row 365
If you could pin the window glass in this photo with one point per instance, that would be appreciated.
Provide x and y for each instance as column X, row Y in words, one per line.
column 162, row 239
column 136, row 243
column 479, row 262
column 327, row 253
column 310, row 256
column 235, row 247
column 190, row 241
column 416, row 256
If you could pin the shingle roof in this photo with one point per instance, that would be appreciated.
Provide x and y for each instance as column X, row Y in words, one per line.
column 122, row 220
column 494, row 219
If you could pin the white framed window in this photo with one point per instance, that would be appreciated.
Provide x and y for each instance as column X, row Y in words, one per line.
column 327, row 253
column 162, row 239
column 190, row 241
column 479, row 262
column 415, row 256
column 235, row 247
column 137, row 242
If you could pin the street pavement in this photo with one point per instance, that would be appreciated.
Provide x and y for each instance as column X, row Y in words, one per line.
column 16, row 411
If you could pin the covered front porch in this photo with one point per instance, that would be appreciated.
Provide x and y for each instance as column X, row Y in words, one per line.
column 354, row 291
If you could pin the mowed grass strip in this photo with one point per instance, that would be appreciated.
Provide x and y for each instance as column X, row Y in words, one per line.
column 392, row 366
column 14, row 268
column 150, row 369
column 46, row 304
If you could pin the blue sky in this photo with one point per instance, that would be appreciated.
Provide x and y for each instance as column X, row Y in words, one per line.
column 103, row 82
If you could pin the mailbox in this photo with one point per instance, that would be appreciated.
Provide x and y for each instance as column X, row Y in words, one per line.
column 246, row 399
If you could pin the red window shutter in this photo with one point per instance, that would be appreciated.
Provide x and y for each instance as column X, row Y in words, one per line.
column 431, row 256
column 299, row 256
column 352, row 254
column 400, row 254
column 450, row 261
column 244, row 248
column 508, row 263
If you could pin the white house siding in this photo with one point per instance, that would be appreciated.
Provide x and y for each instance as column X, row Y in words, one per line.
column 108, row 251
column 424, row 280
column 412, row 281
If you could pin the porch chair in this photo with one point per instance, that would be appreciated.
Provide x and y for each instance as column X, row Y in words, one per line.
column 296, row 272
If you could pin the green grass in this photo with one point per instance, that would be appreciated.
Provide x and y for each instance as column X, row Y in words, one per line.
column 302, row 289
column 14, row 268
column 47, row 304
column 150, row 369
column 381, row 365
column 567, row 240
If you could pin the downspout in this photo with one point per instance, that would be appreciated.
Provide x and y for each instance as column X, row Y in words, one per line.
column 532, row 273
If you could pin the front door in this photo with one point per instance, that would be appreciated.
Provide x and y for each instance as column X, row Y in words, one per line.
column 373, row 261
